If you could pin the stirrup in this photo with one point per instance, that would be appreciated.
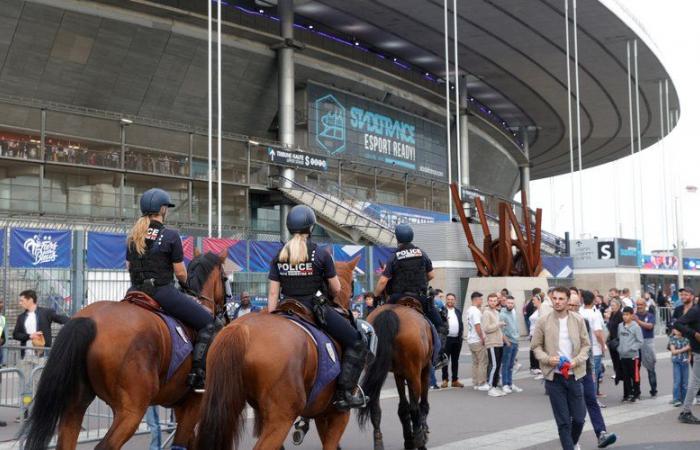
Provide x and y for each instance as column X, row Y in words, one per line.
column 343, row 403
column 443, row 360
column 196, row 382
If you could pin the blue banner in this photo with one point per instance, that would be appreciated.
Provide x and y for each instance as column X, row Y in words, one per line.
column 348, row 252
column 106, row 251
column 43, row 249
column 380, row 256
column 393, row 214
column 262, row 253
column 558, row 267
column 691, row 264
column 2, row 245
column 238, row 255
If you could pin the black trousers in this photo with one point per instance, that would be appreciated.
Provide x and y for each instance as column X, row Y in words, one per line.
column 337, row 326
column 495, row 356
column 182, row 307
column 630, row 377
column 452, row 349
column 534, row 363
column 617, row 365
column 569, row 408
column 429, row 309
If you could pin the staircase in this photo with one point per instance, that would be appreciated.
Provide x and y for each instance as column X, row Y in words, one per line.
column 338, row 213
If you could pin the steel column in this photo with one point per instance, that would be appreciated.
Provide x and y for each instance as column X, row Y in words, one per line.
column 631, row 110
column 464, row 137
column 447, row 106
column 571, row 136
column 285, row 58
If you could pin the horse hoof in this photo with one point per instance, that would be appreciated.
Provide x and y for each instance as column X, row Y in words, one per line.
column 408, row 445
column 420, row 439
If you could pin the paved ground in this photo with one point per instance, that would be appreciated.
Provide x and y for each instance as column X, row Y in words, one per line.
column 463, row 419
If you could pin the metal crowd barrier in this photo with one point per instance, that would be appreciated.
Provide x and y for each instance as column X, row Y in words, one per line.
column 18, row 383
column 663, row 316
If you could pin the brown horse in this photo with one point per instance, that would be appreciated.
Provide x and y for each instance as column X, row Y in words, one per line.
column 119, row 352
column 405, row 348
column 270, row 363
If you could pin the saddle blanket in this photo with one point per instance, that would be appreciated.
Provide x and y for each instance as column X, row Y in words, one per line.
column 328, row 357
column 180, row 343
column 437, row 346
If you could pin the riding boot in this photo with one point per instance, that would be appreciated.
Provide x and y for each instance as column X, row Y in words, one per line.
column 354, row 359
column 442, row 359
column 205, row 336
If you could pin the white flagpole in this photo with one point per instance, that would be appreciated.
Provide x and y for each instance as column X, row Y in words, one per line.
column 209, row 135
column 219, row 164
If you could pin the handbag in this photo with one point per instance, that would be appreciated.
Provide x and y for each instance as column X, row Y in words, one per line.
column 614, row 343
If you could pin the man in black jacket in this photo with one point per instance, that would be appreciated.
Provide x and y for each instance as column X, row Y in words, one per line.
column 689, row 326
column 454, row 339
column 35, row 322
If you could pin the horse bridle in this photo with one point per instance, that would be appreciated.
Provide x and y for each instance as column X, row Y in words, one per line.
column 219, row 309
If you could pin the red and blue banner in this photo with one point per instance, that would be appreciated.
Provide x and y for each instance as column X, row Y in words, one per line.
column 261, row 255
column 2, row 245
column 380, row 256
column 40, row 249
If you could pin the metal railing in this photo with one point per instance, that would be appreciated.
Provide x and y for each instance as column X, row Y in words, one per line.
column 361, row 221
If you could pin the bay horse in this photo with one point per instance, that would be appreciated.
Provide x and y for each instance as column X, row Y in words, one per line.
column 268, row 362
column 120, row 353
column 405, row 348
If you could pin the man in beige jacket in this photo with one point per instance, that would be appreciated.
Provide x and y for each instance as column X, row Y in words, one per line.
column 560, row 343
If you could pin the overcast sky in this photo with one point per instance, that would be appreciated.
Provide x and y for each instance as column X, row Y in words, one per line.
column 608, row 201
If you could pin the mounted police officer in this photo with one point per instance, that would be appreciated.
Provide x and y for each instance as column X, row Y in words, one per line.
column 407, row 274
column 300, row 271
column 154, row 254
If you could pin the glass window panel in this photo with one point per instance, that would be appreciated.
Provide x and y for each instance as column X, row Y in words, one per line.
column 135, row 185
column 20, row 116
column 233, row 211
column 153, row 161
column 81, row 192
column 234, row 159
column 158, row 138
column 83, row 152
column 70, row 124
column 419, row 194
column 19, row 186
column 19, row 145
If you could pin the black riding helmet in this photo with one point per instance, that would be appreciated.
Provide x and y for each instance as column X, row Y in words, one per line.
column 301, row 219
column 404, row 233
column 153, row 199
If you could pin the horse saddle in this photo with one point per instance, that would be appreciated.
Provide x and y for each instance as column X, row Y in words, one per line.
column 181, row 336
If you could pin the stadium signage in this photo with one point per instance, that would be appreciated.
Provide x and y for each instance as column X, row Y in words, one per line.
column 347, row 125
column 297, row 159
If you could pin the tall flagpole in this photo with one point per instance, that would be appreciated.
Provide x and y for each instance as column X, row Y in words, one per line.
column 578, row 122
column 219, row 162
column 457, row 112
column 571, row 136
column 209, row 114
column 447, row 108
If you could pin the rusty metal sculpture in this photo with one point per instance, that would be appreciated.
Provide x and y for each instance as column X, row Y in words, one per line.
column 505, row 256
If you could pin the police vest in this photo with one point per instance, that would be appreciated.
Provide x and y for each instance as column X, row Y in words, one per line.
column 153, row 264
column 303, row 279
column 408, row 271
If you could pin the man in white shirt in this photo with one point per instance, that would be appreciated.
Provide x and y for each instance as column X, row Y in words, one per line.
column 454, row 340
column 475, row 340
column 595, row 320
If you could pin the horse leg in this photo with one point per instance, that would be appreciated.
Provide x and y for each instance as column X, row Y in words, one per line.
column 331, row 427
column 414, row 393
column 424, row 405
column 187, row 415
column 123, row 428
column 404, row 413
column 72, row 420
column 275, row 428
column 376, row 416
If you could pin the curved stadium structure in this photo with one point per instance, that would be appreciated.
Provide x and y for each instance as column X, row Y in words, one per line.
column 100, row 100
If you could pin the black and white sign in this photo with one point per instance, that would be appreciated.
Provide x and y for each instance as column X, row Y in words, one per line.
column 606, row 250
column 297, row 159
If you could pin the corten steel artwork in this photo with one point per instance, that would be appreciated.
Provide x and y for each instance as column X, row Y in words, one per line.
column 505, row 256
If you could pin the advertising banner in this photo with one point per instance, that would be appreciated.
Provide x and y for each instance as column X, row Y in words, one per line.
column 348, row 126
column 692, row 264
column 349, row 252
column 591, row 253
column 380, row 256
column 629, row 252
column 393, row 215
column 43, row 249
column 558, row 267
column 297, row 159
column 262, row 253
column 106, row 251
column 2, row 245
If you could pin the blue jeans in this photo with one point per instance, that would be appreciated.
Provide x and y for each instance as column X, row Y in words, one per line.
column 680, row 380
column 566, row 397
column 589, row 395
column 433, row 381
column 510, row 352
column 597, row 369
column 153, row 422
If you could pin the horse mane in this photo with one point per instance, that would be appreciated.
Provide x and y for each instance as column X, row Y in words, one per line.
column 199, row 269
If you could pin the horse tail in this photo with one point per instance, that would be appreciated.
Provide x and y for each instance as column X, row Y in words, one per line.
column 386, row 325
column 63, row 382
column 221, row 421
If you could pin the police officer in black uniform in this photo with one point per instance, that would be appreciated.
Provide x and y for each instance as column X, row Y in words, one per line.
column 407, row 274
column 300, row 271
column 154, row 254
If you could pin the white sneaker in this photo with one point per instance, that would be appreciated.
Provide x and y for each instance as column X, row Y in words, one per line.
column 515, row 388
column 577, row 447
column 483, row 387
column 539, row 376
column 495, row 392
column 507, row 390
